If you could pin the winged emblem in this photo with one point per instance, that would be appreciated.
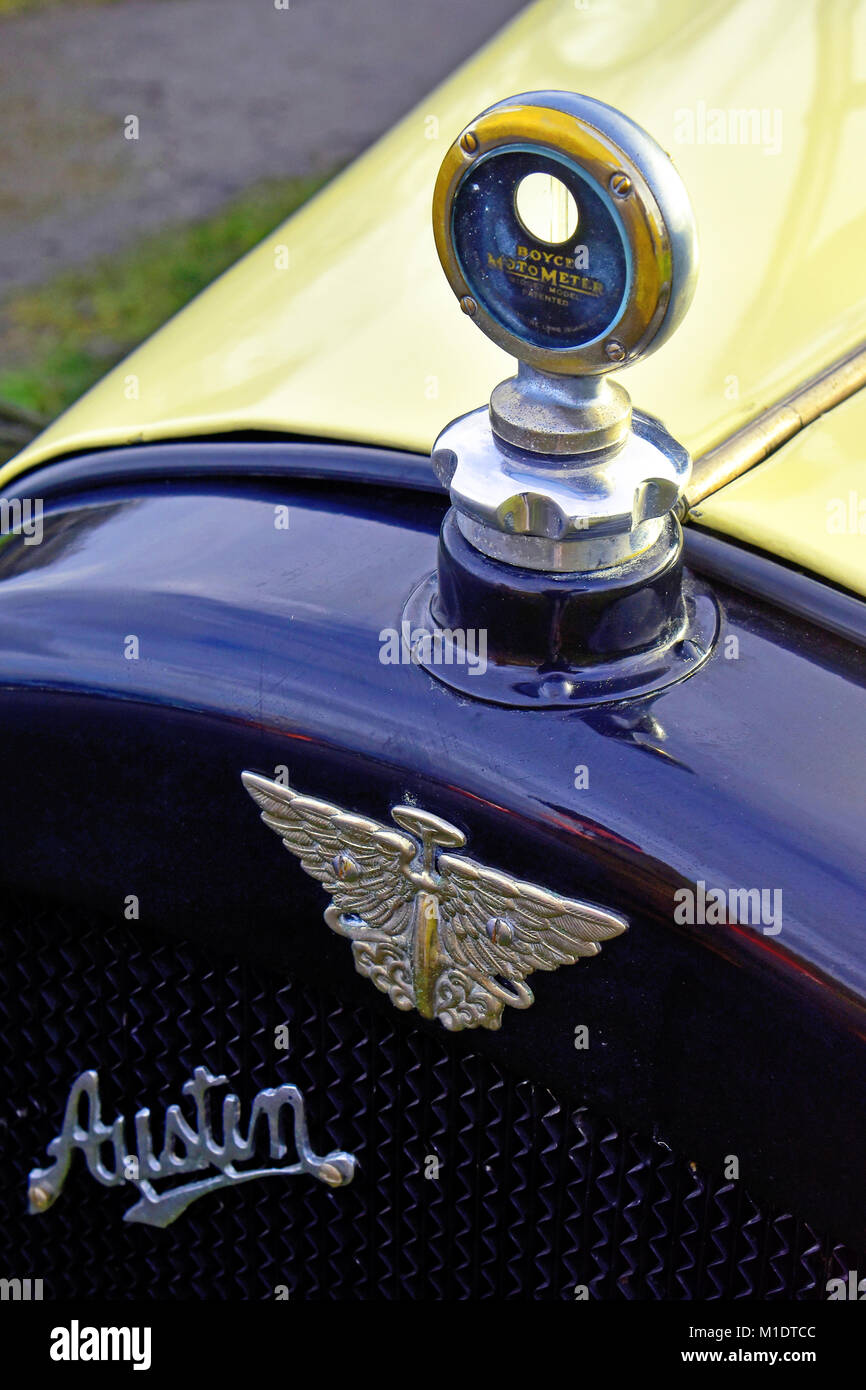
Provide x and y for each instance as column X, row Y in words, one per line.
column 433, row 930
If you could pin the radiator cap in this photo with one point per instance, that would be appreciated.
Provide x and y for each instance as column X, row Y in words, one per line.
column 568, row 238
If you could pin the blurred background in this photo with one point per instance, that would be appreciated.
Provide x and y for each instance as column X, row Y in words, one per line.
column 146, row 144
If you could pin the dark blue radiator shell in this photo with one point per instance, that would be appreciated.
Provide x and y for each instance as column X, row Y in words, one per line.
column 259, row 648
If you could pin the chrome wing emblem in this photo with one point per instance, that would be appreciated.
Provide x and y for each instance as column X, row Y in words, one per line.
column 435, row 931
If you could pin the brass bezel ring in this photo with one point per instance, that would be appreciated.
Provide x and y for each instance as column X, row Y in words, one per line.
column 598, row 157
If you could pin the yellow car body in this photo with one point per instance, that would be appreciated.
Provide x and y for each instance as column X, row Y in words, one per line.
column 340, row 325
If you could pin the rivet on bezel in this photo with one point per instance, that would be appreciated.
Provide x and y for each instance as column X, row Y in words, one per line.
column 620, row 184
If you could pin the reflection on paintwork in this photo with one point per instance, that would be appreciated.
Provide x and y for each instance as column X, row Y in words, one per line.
column 762, row 106
column 807, row 502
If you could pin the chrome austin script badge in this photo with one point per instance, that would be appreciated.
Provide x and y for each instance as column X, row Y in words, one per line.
column 187, row 1148
column 436, row 932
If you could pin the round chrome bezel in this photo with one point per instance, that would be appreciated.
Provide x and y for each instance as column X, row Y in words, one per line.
column 653, row 216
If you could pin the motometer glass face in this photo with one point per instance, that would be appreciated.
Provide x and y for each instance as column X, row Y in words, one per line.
column 550, row 293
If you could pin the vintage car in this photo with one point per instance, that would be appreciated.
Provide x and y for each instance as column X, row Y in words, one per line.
column 500, row 707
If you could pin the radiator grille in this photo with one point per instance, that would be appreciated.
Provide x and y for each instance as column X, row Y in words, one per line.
column 534, row 1196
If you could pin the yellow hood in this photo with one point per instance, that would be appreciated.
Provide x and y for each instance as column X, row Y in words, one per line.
column 341, row 325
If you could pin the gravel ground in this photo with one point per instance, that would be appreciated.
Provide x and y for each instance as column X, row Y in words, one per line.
column 226, row 92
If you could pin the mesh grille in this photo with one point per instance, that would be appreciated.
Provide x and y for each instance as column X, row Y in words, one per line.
column 534, row 1196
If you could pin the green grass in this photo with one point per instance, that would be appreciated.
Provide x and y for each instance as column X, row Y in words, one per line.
column 25, row 6
column 61, row 337
column 13, row 7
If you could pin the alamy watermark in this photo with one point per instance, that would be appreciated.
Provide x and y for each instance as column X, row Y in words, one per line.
column 750, row 907
column 438, row 646
column 852, row 1289
column 77, row 1343
column 20, row 1290
column 846, row 516
column 734, row 125
column 22, row 516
